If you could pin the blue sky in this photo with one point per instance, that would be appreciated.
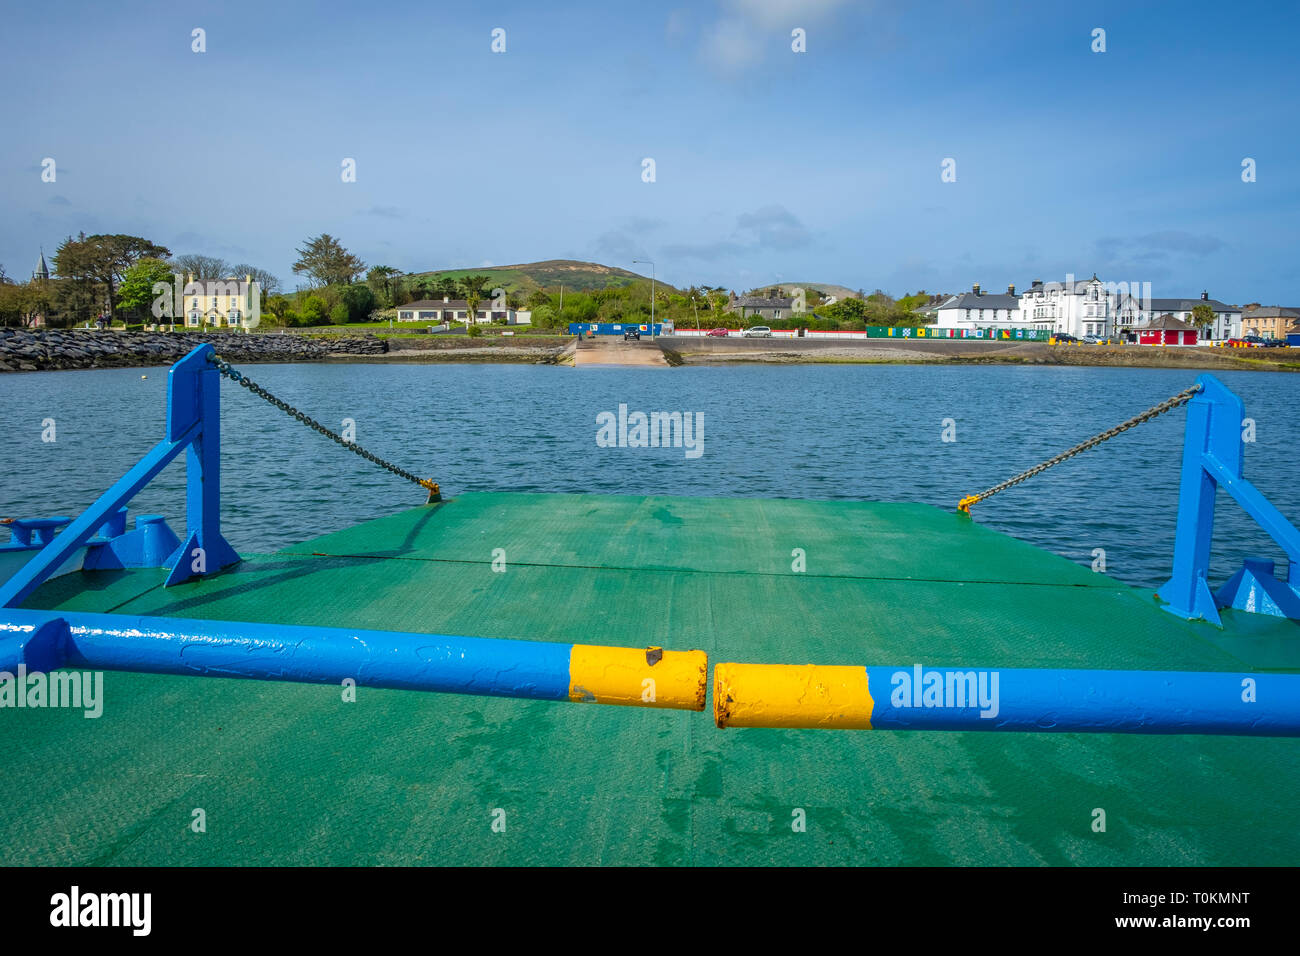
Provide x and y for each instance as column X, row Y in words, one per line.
column 770, row 165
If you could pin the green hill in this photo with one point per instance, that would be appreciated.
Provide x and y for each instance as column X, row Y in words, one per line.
column 525, row 277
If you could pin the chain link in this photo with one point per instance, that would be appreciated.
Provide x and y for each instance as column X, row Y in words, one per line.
column 1182, row 398
column 227, row 370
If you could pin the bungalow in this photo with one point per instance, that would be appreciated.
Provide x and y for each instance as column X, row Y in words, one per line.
column 451, row 311
column 1166, row 330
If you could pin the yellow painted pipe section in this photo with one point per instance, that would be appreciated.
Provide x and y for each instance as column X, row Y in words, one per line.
column 638, row 677
column 790, row 695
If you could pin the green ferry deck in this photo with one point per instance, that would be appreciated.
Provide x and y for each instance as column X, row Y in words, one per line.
column 292, row 774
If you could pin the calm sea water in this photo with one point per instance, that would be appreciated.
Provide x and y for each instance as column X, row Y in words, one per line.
column 841, row 432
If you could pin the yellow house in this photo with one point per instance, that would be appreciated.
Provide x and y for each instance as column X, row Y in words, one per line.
column 1268, row 321
column 219, row 302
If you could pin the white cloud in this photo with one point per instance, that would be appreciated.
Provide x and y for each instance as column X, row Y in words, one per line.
column 782, row 14
column 751, row 28
column 732, row 44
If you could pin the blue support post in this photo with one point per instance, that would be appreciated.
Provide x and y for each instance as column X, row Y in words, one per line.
column 194, row 395
column 193, row 423
column 1212, row 458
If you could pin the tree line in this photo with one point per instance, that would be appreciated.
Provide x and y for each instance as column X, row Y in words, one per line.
column 110, row 277
column 113, row 277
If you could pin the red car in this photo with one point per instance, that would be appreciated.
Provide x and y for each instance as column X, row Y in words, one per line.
column 721, row 333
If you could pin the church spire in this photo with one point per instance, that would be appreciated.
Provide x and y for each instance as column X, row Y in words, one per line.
column 42, row 270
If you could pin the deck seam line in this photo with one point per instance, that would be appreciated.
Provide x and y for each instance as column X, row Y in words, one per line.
column 1116, row 586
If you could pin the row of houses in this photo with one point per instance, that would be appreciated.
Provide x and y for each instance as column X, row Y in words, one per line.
column 1107, row 309
column 222, row 302
column 1080, row 308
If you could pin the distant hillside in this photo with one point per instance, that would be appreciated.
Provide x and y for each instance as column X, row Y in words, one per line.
column 825, row 288
column 527, row 276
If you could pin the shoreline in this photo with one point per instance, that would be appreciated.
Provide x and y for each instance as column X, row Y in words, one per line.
column 731, row 351
column 68, row 350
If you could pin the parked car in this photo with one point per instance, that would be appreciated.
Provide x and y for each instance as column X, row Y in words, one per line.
column 1275, row 343
column 757, row 332
column 632, row 334
column 721, row 333
column 1064, row 337
column 1249, row 341
column 1093, row 339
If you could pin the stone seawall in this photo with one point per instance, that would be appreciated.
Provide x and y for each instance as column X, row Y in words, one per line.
column 23, row 350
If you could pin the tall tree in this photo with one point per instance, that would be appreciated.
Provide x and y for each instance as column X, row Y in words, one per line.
column 380, row 280
column 422, row 288
column 325, row 260
column 135, row 294
column 103, row 260
column 359, row 300
column 202, row 267
column 73, row 299
column 11, row 303
column 1203, row 318
column 474, row 288
column 268, row 283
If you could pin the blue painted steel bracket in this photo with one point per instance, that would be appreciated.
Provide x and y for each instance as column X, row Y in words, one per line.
column 150, row 544
column 37, row 640
column 193, row 426
column 1212, row 459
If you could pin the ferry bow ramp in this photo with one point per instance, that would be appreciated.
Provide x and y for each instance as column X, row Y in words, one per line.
column 922, row 690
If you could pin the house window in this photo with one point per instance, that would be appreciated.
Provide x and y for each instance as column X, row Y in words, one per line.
column 405, row 316
column 776, row 314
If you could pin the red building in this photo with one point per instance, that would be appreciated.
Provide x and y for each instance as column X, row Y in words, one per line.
column 1166, row 330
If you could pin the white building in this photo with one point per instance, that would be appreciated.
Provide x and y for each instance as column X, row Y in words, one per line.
column 1081, row 308
column 1075, row 308
column 979, row 309
column 1134, row 311
column 451, row 311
